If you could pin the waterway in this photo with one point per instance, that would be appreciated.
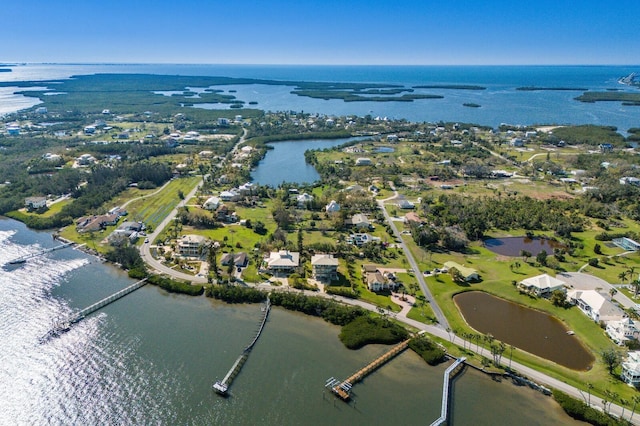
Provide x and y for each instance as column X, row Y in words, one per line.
column 285, row 162
column 151, row 358
column 527, row 329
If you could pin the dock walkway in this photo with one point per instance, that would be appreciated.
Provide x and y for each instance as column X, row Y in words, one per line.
column 23, row 259
column 222, row 386
column 343, row 389
column 445, row 391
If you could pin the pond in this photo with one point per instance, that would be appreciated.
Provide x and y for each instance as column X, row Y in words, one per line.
column 384, row 149
column 524, row 328
column 512, row 246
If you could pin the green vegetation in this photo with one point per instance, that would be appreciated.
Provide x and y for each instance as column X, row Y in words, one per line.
column 429, row 350
column 357, row 96
column 591, row 97
column 451, row 86
column 471, row 105
column 235, row 294
column 367, row 329
column 173, row 286
column 330, row 311
column 589, row 134
column 534, row 88
column 581, row 411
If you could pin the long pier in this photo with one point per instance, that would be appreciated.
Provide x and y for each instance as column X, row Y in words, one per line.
column 343, row 388
column 445, row 391
column 65, row 325
column 23, row 259
column 222, row 386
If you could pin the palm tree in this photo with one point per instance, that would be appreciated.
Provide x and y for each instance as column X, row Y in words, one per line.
column 622, row 276
column 623, row 402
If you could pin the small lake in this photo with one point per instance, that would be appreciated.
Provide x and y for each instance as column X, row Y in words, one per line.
column 511, row 246
column 384, row 149
column 524, row 328
column 285, row 162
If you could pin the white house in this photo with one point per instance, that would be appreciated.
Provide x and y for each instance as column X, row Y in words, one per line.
column 631, row 369
column 629, row 180
column 595, row 305
column 332, row 207
column 190, row 245
column 35, row 203
column 542, row 285
column 228, row 195
column 358, row 221
column 282, row 261
column 212, row 203
column 304, row 200
column 363, row 161
column 622, row 331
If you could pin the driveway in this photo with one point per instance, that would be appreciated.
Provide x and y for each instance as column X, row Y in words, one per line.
column 582, row 281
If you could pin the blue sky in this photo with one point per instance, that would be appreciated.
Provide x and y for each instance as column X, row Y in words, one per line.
column 322, row 32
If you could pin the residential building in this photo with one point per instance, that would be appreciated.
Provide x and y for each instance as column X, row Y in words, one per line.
column 96, row 223
column 303, row 200
column 542, row 285
column 85, row 160
column 406, row 204
column 324, row 267
column 629, row 180
column 363, row 161
column 212, row 203
column 332, row 207
column 375, row 279
column 468, row 274
column 282, row 262
column 191, row 245
column 358, row 221
column 360, row 239
column 35, row 203
column 626, row 244
column 595, row 305
column 240, row 260
column 622, row 331
column 228, row 195
column 631, row 369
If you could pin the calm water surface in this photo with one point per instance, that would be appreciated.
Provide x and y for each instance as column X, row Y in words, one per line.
column 524, row 328
column 151, row 357
column 512, row 246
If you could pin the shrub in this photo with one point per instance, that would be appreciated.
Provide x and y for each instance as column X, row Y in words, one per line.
column 431, row 352
column 367, row 329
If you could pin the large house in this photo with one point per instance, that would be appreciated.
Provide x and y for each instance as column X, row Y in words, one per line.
column 332, row 207
column 212, row 203
column 542, row 285
column 239, row 259
column 96, row 223
column 324, row 267
column 595, row 305
column 303, row 200
column 631, row 369
column 282, row 262
column 35, row 203
column 468, row 274
column 376, row 280
column 622, row 331
column 191, row 245
column 358, row 221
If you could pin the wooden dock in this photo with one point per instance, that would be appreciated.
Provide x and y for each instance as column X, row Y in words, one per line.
column 23, row 259
column 343, row 388
column 221, row 387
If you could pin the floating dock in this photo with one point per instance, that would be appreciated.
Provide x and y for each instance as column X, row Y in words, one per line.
column 221, row 387
column 343, row 388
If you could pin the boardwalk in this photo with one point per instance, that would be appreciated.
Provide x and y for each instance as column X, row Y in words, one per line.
column 343, row 389
column 65, row 325
column 445, row 391
column 222, row 386
column 26, row 257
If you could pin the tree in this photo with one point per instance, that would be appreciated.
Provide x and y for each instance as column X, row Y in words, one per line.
column 597, row 249
column 259, row 228
column 635, row 399
column 525, row 254
column 611, row 358
column 541, row 257
column 558, row 298
column 497, row 349
column 456, row 276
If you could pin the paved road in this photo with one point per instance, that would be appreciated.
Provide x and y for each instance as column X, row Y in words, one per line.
column 442, row 320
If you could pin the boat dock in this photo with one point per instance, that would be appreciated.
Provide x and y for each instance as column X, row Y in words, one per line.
column 222, row 386
column 23, row 259
column 343, row 388
column 65, row 325
column 448, row 374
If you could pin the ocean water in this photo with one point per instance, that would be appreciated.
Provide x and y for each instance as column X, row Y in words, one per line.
column 500, row 102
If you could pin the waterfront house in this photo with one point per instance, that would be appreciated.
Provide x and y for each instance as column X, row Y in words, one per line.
column 191, row 245
column 35, row 203
column 324, row 267
column 282, row 262
column 468, row 274
column 631, row 369
column 542, row 285
column 239, row 260
column 96, row 223
column 595, row 305
column 622, row 331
